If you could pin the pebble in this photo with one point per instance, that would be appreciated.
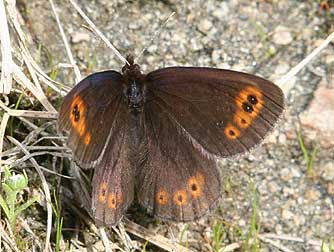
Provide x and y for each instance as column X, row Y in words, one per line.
column 330, row 188
column 286, row 174
column 327, row 173
column 282, row 138
column 273, row 187
column 282, row 69
column 78, row 37
column 286, row 214
column 287, row 191
column 312, row 194
column 282, row 35
column 204, row 25
column 222, row 11
column 216, row 56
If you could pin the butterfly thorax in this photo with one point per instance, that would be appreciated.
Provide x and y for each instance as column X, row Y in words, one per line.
column 133, row 89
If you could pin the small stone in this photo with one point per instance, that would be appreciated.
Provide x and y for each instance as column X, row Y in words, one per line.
column 282, row 69
column 216, row 56
column 282, row 35
column 287, row 191
column 282, row 138
column 205, row 25
column 222, row 11
column 242, row 223
column 152, row 48
column 328, row 171
column 287, row 214
column 312, row 194
column 273, row 187
column 286, row 174
column 298, row 220
column 80, row 37
column 330, row 188
column 134, row 26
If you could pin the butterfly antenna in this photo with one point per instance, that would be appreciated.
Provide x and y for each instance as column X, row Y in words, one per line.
column 155, row 35
column 99, row 33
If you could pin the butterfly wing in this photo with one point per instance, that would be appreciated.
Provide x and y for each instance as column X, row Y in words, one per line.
column 193, row 116
column 88, row 113
column 177, row 182
column 113, row 180
column 224, row 113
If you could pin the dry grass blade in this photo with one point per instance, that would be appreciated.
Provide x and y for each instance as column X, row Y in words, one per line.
column 282, row 81
column 8, row 239
column 27, row 228
column 275, row 244
column 45, row 189
column 105, row 239
column 31, row 64
column 152, row 237
column 20, row 77
column 231, row 247
column 67, row 46
column 316, row 243
column 6, row 53
column 4, row 122
column 3, row 125
column 29, row 113
column 98, row 32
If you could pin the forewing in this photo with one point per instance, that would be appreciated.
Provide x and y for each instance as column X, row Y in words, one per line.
column 223, row 113
column 177, row 182
column 88, row 113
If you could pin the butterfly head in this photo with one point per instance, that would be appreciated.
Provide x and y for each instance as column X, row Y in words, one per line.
column 134, row 83
column 130, row 70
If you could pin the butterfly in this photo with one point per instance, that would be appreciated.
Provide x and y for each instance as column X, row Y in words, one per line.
column 157, row 137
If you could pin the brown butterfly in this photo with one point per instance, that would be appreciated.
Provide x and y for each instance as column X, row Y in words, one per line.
column 159, row 136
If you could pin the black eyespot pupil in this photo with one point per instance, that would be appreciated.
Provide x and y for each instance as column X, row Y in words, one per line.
column 247, row 107
column 252, row 99
column 194, row 187
column 180, row 198
column 103, row 192
column 76, row 113
column 243, row 121
column 231, row 132
column 113, row 202
column 161, row 197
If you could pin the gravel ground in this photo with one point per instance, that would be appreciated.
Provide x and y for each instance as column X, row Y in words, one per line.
column 266, row 38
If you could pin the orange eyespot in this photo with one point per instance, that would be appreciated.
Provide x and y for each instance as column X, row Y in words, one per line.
column 250, row 91
column 162, row 197
column 180, row 198
column 112, row 201
column 103, row 192
column 231, row 132
column 242, row 120
column 115, row 200
column 77, row 113
column 87, row 138
column 252, row 96
column 194, row 187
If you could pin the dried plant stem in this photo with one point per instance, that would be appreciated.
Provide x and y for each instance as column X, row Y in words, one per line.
column 282, row 81
column 67, row 46
column 152, row 237
column 6, row 53
column 98, row 32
